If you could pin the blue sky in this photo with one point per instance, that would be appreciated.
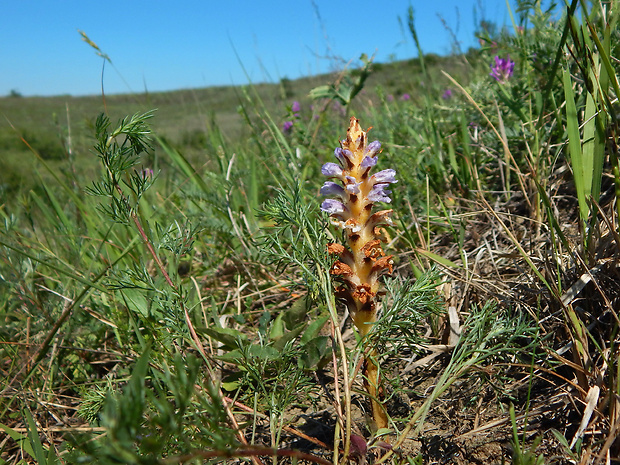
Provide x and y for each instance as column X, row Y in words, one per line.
column 159, row 45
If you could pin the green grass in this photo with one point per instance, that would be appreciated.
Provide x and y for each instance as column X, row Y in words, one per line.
column 165, row 286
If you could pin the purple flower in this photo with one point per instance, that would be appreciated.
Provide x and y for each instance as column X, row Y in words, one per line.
column 390, row 98
column 373, row 148
column 352, row 186
column 447, row 95
column 379, row 193
column 384, row 176
column 287, row 126
column 295, row 107
column 331, row 170
column 339, row 109
column 368, row 162
column 333, row 207
column 503, row 69
column 342, row 155
column 405, row 97
column 331, row 188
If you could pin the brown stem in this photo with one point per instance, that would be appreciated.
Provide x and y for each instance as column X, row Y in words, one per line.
column 148, row 244
column 371, row 382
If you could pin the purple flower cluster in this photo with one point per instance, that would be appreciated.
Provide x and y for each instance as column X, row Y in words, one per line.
column 353, row 171
column 296, row 108
column 288, row 125
column 502, row 70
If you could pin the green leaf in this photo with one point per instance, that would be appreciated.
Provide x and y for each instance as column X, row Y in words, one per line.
column 280, row 343
column 322, row 92
column 231, row 356
column 265, row 353
column 382, row 432
column 438, row 258
column 593, row 147
column 313, row 352
column 35, row 442
column 20, row 439
column 138, row 300
column 296, row 313
column 574, row 145
column 184, row 165
column 277, row 328
column 232, row 381
column 229, row 337
column 313, row 329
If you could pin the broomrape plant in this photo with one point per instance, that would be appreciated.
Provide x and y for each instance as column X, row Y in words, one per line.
column 362, row 262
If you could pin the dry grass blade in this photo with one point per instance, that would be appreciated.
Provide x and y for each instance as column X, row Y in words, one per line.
column 591, row 403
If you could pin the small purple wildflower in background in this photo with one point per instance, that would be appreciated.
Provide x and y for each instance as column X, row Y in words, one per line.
column 447, row 95
column 390, row 98
column 405, row 97
column 287, row 126
column 339, row 109
column 502, row 70
column 295, row 108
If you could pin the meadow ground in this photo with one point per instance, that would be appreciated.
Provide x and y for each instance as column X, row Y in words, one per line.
column 196, row 277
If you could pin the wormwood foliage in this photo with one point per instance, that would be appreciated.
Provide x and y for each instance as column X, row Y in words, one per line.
column 158, row 413
column 296, row 236
column 119, row 150
column 406, row 306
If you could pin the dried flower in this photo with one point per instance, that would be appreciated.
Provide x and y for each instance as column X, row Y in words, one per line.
column 503, row 69
column 359, row 266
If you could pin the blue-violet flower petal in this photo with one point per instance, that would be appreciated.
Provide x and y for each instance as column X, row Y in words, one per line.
column 373, row 148
column 331, row 170
column 379, row 193
column 333, row 207
column 384, row 176
column 331, row 188
column 368, row 162
column 352, row 186
column 343, row 156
